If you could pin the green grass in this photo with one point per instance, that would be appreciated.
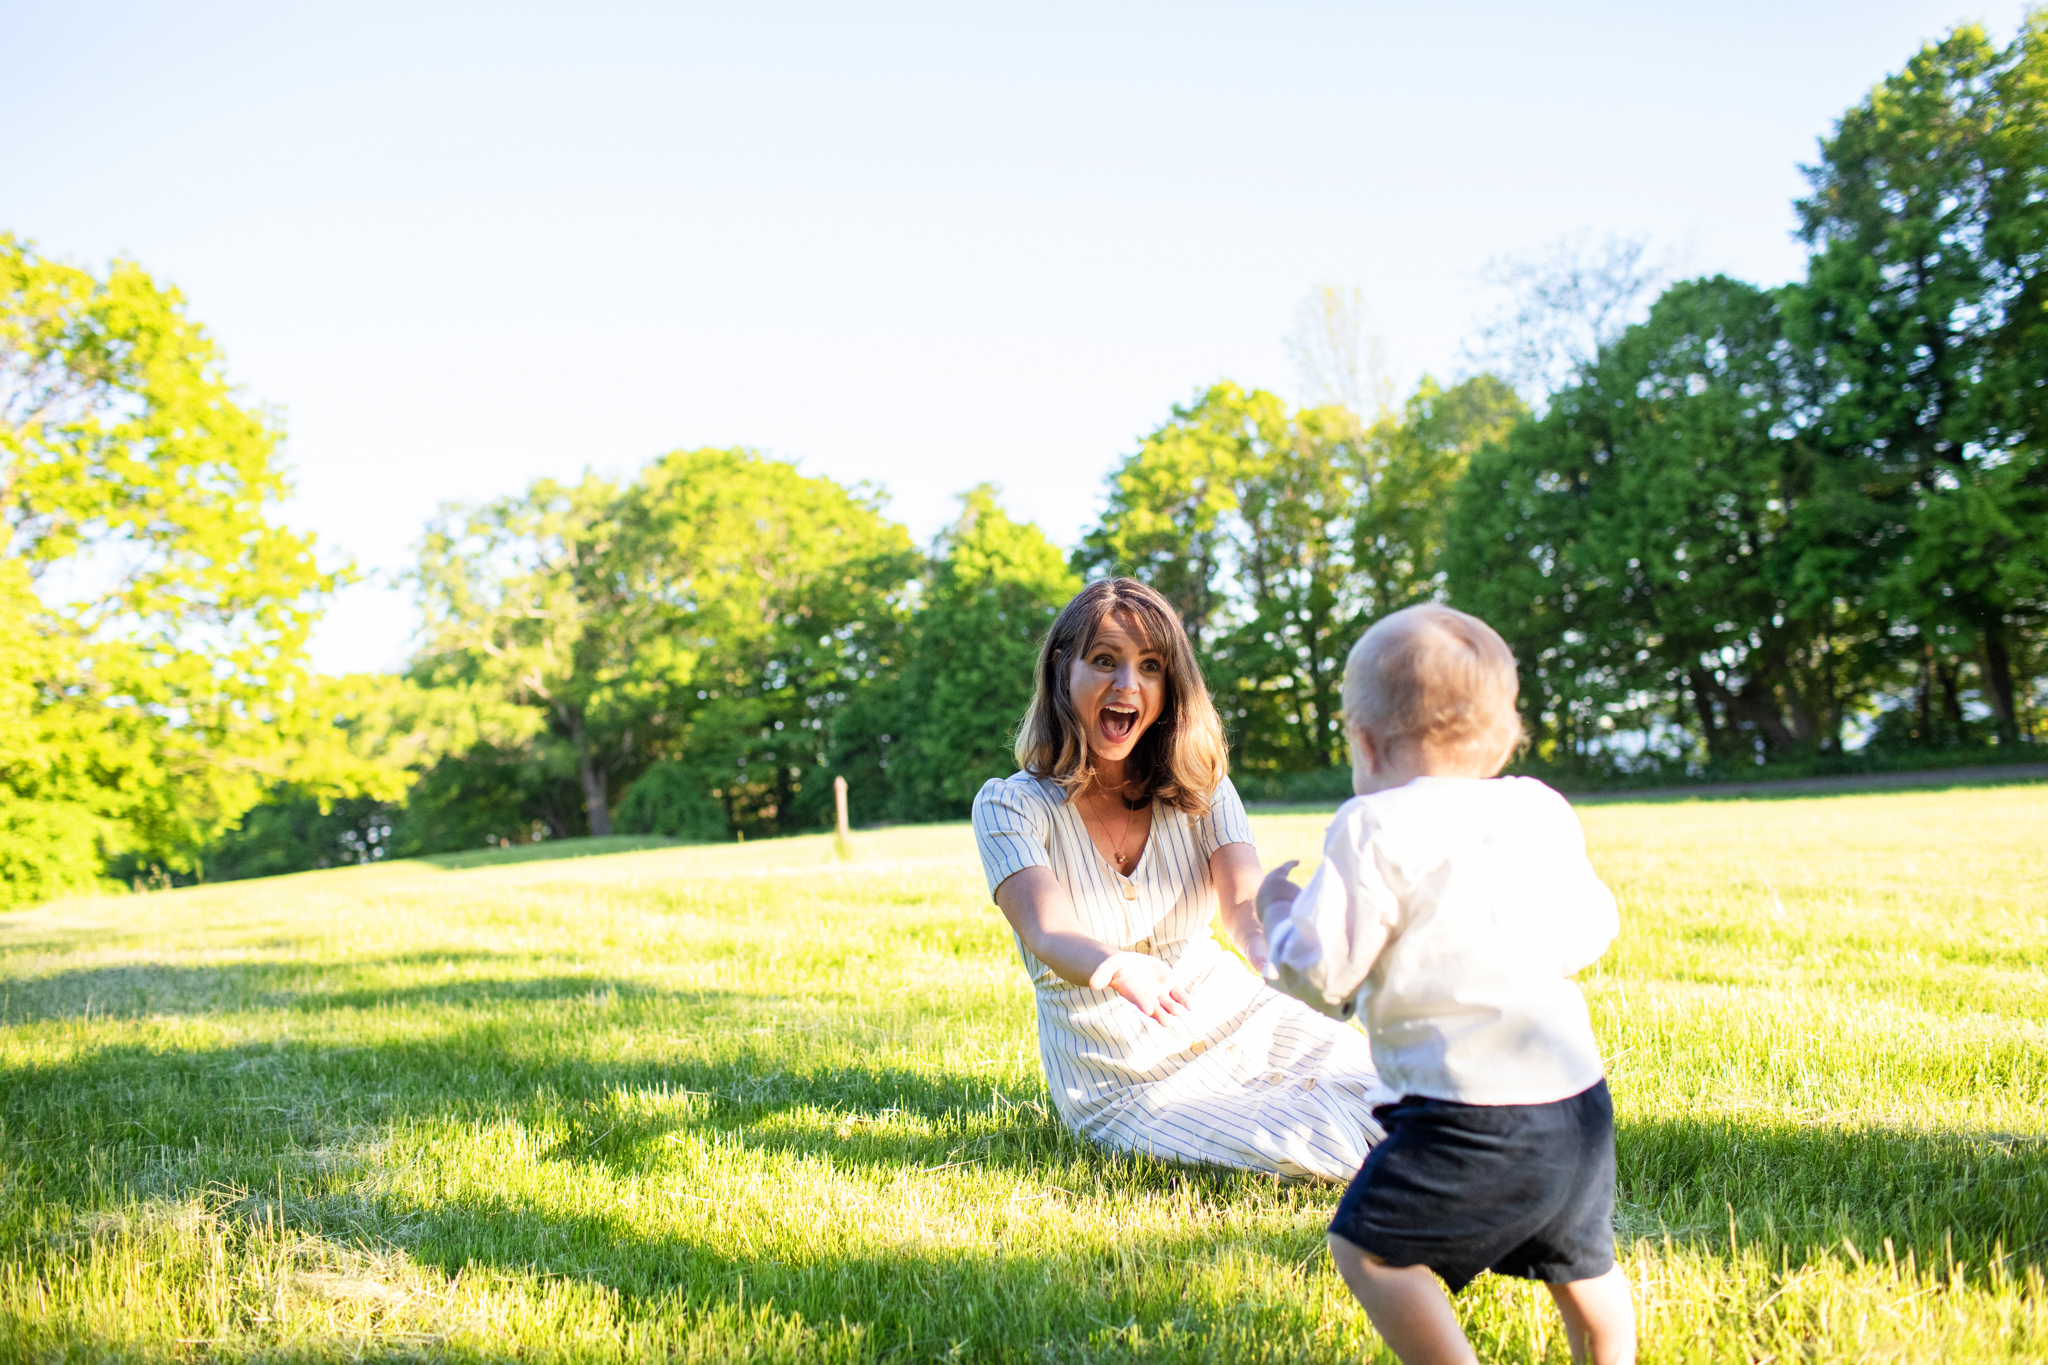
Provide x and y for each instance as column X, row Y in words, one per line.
column 760, row 1102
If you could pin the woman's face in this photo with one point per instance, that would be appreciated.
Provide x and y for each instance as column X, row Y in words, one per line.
column 1119, row 688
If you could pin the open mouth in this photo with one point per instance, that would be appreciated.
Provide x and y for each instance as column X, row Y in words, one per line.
column 1118, row 722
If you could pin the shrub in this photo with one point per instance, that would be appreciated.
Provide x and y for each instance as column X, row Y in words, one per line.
column 670, row 799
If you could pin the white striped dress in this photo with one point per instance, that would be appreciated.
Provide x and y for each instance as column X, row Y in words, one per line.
column 1247, row 1077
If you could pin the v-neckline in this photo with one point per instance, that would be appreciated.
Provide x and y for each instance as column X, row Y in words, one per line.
column 1144, row 852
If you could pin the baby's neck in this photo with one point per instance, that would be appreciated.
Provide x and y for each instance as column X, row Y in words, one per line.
column 1409, row 764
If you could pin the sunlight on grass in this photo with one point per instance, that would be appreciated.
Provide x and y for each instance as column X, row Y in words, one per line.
column 763, row 1102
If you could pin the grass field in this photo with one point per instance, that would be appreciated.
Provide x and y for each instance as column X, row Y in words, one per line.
column 759, row 1103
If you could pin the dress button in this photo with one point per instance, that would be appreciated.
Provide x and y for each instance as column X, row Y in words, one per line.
column 1309, row 1084
column 1143, row 945
column 1201, row 1046
column 1277, row 1078
column 1130, row 892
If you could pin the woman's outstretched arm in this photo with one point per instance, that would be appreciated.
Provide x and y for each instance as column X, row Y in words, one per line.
column 1038, row 908
column 1234, row 868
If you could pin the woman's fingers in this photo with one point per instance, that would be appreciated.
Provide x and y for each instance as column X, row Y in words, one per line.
column 1143, row 983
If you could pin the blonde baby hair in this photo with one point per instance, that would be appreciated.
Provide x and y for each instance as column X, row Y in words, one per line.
column 1436, row 677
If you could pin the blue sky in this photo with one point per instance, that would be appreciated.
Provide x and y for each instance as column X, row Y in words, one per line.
column 463, row 247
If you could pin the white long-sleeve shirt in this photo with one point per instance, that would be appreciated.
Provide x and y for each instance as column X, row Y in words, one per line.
column 1488, row 907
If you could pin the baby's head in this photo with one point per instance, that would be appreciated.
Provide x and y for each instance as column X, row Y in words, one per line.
column 1429, row 690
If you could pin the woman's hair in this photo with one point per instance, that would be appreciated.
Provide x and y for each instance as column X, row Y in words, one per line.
column 1436, row 677
column 1180, row 759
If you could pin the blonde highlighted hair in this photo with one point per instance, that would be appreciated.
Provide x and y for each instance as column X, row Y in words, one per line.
column 1436, row 677
column 1181, row 758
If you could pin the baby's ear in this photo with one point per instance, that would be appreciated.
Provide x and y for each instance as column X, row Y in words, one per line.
column 1362, row 746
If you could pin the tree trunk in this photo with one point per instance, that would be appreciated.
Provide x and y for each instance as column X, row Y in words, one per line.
column 1704, row 704
column 1998, row 681
column 1952, row 700
column 1927, row 696
column 596, row 801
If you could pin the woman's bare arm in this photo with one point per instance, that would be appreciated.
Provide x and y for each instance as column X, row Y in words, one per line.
column 1234, row 868
column 1039, row 909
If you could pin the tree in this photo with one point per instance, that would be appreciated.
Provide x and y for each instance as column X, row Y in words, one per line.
column 990, row 594
column 1280, row 535
column 1235, row 510
column 1564, row 303
column 1340, row 360
column 522, row 596
column 1168, row 517
column 156, row 615
column 1665, row 550
column 786, row 599
column 716, row 612
column 430, row 747
column 1411, row 465
column 1924, row 297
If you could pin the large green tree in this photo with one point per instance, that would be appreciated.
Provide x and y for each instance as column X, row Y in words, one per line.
column 1667, row 551
column 716, row 612
column 1926, row 300
column 1281, row 534
column 154, row 613
column 990, row 593
column 523, row 596
column 1236, row 509
column 1410, row 466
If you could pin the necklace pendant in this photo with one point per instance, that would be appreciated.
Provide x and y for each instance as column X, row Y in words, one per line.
column 1130, row 891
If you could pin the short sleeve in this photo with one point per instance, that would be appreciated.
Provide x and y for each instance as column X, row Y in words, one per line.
column 1012, row 829
column 1224, row 824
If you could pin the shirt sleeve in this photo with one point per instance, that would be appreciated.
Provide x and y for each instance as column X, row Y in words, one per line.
column 1012, row 829
column 1226, row 822
column 1588, row 918
column 1324, row 945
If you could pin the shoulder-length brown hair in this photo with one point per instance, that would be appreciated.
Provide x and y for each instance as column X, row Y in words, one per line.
column 1181, row 758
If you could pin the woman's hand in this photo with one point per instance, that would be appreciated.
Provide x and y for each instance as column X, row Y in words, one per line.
column 1255, row 951
column 1144, row 981
column 1038, row 909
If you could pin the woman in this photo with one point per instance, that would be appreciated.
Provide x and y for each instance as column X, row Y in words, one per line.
column 1108, row 854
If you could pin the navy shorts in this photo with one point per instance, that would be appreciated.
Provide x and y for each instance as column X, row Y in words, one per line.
column 1518, row 1189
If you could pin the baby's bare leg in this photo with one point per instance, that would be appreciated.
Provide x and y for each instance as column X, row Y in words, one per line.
column 1599, row 1317
column 1407, row 1306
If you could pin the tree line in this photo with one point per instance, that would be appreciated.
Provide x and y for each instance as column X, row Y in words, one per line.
column 1759, row 525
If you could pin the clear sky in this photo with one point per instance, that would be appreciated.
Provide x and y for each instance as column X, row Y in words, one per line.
column 464, row 247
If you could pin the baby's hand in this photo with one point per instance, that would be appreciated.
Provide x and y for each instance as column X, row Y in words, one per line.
column 1277, row 891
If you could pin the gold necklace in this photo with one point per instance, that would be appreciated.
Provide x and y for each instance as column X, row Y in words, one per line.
column 1116, row 844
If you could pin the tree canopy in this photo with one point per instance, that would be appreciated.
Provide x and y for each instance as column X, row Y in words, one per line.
column 154, row 613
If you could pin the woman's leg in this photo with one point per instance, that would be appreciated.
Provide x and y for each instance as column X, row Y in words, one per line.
column 1277, row 1128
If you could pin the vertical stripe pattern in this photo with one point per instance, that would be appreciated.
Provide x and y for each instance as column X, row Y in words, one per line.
column 1247, row 1077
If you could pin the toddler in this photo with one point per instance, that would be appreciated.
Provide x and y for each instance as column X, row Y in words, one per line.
column 1451, row 909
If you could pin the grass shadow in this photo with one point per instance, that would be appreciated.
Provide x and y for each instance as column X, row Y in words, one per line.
column 517, row 1047
column 145, row 990
column 1807, row 1188
column 578, row 1064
